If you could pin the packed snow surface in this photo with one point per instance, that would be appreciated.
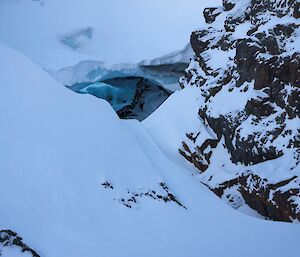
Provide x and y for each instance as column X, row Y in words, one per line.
column 69, row 167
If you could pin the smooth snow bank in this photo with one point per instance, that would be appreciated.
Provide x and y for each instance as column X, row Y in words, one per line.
column 57, row 148
column 59, row 33
column 170, row 122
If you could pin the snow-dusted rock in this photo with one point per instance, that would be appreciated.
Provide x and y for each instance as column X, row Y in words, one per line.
column 247, row 71
column 12, row 245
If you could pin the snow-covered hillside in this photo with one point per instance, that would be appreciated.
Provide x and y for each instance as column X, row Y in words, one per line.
column 78, row 181
column 75, row 180
column 58, row 33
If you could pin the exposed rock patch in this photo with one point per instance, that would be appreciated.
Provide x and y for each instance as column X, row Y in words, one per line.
column 132, row 198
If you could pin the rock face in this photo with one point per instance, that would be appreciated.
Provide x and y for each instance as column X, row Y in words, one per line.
column 247, row 69
column 10, row 239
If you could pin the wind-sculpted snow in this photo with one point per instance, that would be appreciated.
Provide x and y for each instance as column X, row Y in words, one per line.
column 245, row 137
column 61, row 153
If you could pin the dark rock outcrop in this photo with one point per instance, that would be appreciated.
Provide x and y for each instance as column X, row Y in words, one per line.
column 210, row 14
column 259, row 76
column 9, row 238
column 275, row 201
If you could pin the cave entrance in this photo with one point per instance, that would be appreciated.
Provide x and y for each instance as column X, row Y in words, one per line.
column 131, row 97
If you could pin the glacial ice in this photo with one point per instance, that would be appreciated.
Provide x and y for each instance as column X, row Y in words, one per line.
column 118, row 84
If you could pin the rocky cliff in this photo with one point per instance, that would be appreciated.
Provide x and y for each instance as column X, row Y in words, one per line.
column 247, row 69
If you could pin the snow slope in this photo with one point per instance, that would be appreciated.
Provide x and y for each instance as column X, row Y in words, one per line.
column 59, row 33
column 69, row 167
